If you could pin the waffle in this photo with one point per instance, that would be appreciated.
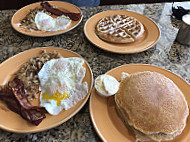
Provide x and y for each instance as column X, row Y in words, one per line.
column 119, row 29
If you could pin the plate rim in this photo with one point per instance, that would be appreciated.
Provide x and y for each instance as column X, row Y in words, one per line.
column 67, row 118
column 93, row 90
column 50, row 35
column 122, row 52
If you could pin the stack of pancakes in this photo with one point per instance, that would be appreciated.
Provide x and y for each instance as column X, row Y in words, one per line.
column 152, row 106
column 119, row 29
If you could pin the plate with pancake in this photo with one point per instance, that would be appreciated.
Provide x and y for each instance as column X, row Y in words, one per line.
column 104, row 113
column 123, row 32
column 11, row 121
column 25, row 21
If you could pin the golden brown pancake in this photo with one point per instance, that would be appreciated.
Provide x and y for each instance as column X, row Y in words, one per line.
column 153, row 105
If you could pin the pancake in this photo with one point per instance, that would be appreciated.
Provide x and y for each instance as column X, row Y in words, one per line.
column 119, row 29
column 153, row 105
column 147, row 137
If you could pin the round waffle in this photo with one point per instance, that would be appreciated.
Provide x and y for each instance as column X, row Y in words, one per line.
column 119, row 29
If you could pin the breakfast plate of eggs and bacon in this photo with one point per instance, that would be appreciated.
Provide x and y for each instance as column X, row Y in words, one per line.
column 42, row 88
column 49, row 18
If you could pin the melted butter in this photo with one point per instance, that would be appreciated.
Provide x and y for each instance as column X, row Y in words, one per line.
column 58, row 97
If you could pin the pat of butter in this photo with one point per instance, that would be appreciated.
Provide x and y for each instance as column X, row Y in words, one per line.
column 106, row 85
column 186, row 19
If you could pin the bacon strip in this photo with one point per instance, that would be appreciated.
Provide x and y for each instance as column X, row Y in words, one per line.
column 15, row 99
column 17, row 87
column 55, row 11
column 5, row 92
column 7, row 96
column 34, row 115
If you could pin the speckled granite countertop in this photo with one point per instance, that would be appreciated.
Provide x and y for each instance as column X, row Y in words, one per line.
column 166, row 53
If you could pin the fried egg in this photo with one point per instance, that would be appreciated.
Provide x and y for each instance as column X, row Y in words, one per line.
column 61, row 84
column 45, row 22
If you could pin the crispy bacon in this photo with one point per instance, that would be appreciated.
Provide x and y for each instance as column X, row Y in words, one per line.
column 15, row 98
column 17, row 87
column 5, row 92
column 55, row 11
column 35, row 114
column 7, row 96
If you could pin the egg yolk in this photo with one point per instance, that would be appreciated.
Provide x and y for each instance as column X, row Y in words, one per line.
column 58, row 97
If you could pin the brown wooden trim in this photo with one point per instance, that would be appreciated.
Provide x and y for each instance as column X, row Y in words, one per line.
column 112, row 2
column 17, row 4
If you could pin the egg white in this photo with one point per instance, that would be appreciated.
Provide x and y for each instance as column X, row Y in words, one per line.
column 45, row 22
column 64, row 75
